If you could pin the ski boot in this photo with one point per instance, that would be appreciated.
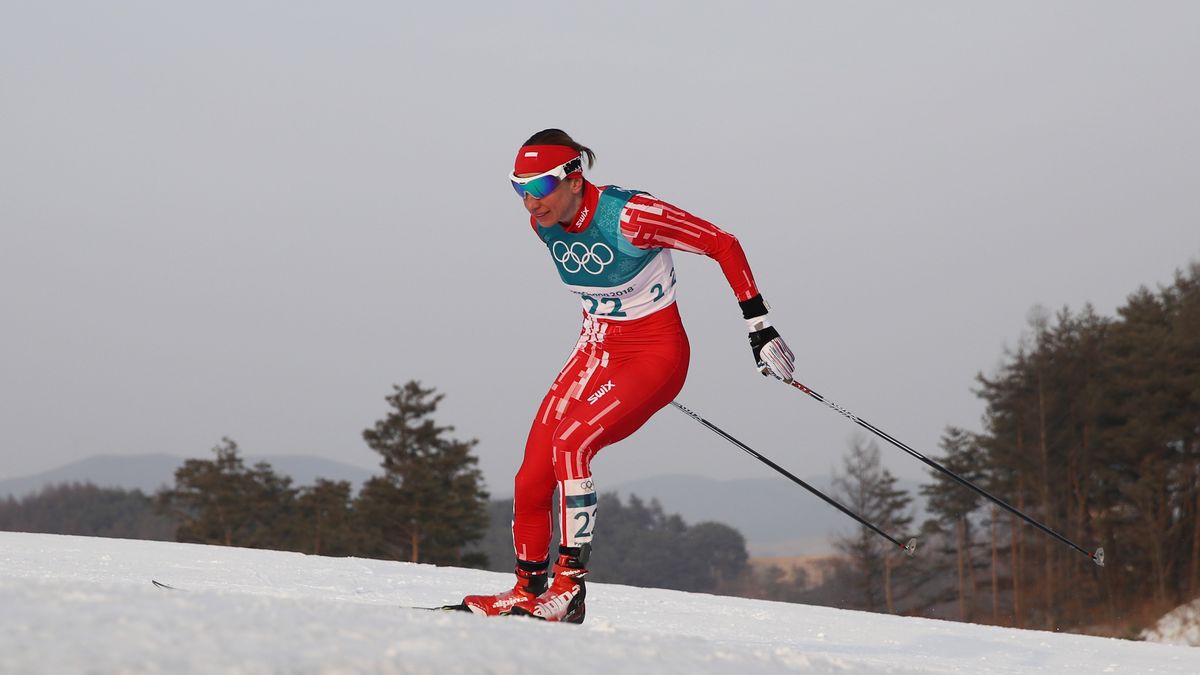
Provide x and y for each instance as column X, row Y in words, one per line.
column 531, row 582
column 563, row 601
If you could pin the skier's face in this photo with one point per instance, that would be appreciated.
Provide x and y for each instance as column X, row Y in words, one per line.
column 558, row 206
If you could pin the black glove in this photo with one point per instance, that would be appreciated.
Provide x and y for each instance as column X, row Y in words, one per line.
column 771, row 353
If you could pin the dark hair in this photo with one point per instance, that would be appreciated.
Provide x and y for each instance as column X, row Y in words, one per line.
column 560, row 137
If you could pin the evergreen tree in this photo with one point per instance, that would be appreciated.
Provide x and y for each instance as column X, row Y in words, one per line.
column 720, row 550
column 380, row 520
column 269, row 504
column 1040, row 454
column 951, row 505
column 1151, row 427
column 1093, row 428
column 1183, row 298
column 325, row 520
column 220, row 501
column 431, row 501
column 867, row 488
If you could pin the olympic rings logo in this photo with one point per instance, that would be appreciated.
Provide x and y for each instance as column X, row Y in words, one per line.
column 579, row 256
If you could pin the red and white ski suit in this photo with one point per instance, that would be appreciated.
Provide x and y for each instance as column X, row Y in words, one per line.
column 622, row 371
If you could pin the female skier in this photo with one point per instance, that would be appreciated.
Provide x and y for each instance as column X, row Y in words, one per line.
column 611, row 248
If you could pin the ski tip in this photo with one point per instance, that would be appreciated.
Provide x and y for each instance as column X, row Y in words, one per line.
column 460, row 607
column 911, row 547
column 1098, row 557
column 162, row 585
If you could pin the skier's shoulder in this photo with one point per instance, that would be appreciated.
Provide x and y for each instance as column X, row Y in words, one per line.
column 642, row 204
column 627, row 196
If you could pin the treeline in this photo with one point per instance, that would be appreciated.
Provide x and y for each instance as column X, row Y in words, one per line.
column 1092, row 427
column 639, row 544
column 428, row 505
column 644, row 545
column 84, row 509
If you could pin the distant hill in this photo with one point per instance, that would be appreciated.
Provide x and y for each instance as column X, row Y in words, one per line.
column 148, row 473
column 777, row 517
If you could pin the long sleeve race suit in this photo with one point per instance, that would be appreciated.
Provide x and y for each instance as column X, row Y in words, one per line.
column 632, row 355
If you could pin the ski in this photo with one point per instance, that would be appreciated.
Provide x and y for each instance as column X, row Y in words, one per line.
column 460, row 607
column 444, row 608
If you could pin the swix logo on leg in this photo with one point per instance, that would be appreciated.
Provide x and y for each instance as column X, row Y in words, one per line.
column 604, row 389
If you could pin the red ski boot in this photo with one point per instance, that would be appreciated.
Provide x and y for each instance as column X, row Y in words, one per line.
column 531, row 582
column 563, row 601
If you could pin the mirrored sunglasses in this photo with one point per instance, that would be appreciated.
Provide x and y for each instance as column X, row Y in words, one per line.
column 544, row 183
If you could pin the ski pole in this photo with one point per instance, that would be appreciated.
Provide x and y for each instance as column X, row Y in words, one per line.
column 909, row 548
column 1097, row 557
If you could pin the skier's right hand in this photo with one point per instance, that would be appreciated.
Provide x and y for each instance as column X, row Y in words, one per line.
column 772, row 354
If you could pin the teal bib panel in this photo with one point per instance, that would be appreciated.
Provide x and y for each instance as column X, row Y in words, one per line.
column 599, row 256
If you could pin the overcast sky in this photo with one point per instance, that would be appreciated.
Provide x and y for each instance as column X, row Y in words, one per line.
column 251, row 219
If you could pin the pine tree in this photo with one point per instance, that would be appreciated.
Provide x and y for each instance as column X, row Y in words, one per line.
column 1093, row 428
column 431, row 500
column 867, row 488
column 220, row 501
column 720, row 549
column 1184, row 299
column 324, row 519
column 952, row 504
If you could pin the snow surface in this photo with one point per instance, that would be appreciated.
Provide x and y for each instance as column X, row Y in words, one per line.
column 1180, row 626
column 82, row 604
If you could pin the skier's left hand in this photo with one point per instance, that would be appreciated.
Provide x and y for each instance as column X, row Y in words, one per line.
column 772, row 354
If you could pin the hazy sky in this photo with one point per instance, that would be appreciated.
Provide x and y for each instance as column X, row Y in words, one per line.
column 252, row 219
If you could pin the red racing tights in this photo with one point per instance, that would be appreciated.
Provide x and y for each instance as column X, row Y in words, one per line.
column 620, row 374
